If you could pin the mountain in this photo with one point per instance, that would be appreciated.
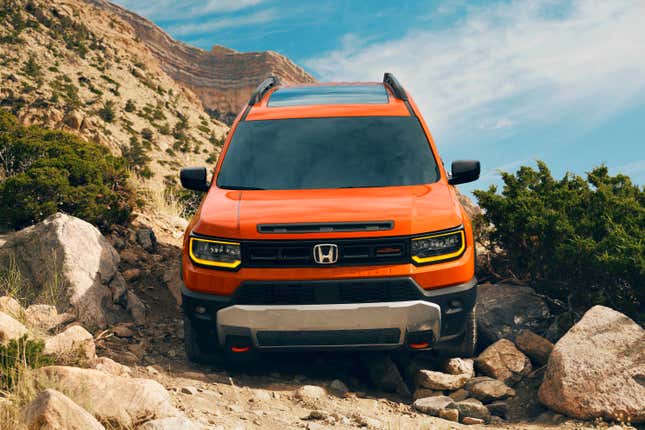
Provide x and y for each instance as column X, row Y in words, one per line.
column 222, row 78
column 66, row 65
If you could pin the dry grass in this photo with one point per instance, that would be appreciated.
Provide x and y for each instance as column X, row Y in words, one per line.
column 160, row 200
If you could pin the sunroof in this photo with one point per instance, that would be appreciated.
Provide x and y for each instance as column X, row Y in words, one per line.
column 328, row 95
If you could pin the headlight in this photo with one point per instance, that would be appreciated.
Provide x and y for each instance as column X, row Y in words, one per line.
column 215, row 253
column 437, row 247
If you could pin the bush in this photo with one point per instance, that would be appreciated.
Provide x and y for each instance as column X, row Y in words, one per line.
column 106, row 113
column 49, row 171
column 17, row 355
column 577, row 240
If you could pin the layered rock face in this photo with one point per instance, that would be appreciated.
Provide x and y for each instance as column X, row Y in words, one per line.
column 222, row 78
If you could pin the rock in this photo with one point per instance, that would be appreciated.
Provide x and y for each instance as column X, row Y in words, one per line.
column 110, row 366
column 472, row 420
column 122, row 330
column 310, row 392
column 76, row 253
column 10, row 328
column 498, row 408
column 487, row 391
column 535, row 347
column 384, row 374
column 440, row 380
column 132, row 274
column 11, row 307
column 136, row 308
column 174, row 423
column 433, row 405
column 421, row 392
column 477, row 379
column 172, row 279
column 472, row 408
column 504, row 310
column 598, row 369
column 460, row 366
column 449, row 414
column 338, row 387
column 44, row 317
column 74, row 342
column 503, row 361
column 119, row 290
column 189, row 390
column 119, row 400
column 261, row 396
column 459, row 395
column 53, row 410
column 73, row 119
column 147, row 239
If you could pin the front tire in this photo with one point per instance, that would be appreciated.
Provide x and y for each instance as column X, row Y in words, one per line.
column 200, row 343
column 469, row 343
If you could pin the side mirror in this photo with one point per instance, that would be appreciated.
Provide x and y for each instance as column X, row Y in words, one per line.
column 464, row 171
column 194, row 178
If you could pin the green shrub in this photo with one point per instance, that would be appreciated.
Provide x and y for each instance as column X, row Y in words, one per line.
column 106, row 113
column 17, row 355
column 130, row 106
column 575, row 239
column 136, row 158
column 49, row 171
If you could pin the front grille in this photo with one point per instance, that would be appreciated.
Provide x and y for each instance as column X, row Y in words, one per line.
column 299, row 253
column 382, row 336
column 326, row 292
column 320, row 227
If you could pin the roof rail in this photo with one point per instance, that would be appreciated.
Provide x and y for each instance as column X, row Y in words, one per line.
column 397, row 89
column 261, row 90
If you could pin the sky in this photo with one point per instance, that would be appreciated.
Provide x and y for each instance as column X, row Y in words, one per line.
column 505, row 82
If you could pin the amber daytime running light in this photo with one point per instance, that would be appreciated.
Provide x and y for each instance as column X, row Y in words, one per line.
column 215, row 253
column 438, row 247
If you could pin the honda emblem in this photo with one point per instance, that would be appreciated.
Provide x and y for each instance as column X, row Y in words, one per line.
column 326, row 253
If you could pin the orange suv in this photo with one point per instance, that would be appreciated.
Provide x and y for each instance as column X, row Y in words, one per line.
column 329, row 223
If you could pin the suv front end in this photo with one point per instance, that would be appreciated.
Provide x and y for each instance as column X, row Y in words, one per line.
column 354, row 241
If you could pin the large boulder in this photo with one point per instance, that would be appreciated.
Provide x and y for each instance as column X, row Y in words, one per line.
column 598, row 369
column 503, row 310
column 53, row 410
column 10, row 328
column 70, row 254
column 121, row 401
column 503, row 361
column 11, row 307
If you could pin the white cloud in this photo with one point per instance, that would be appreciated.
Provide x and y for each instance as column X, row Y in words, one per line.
column 510, row 65
column 213, row 24
column 163, row 10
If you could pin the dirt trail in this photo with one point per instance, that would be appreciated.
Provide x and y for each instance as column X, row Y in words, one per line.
column 263, row 396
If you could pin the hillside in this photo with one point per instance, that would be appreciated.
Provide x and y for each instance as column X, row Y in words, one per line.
column 222, row 78
column 64, row 65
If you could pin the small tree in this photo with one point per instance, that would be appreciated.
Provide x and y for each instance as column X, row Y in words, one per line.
column 106, row 113
column 574, row 239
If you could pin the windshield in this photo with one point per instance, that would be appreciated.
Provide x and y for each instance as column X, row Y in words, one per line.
column 347, row 152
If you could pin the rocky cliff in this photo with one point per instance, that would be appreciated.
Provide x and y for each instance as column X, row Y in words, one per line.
column 222, row 78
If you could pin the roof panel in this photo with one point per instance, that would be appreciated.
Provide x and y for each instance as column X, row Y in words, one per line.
column 328, row 95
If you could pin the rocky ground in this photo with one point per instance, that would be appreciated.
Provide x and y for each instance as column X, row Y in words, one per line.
column 131, row 371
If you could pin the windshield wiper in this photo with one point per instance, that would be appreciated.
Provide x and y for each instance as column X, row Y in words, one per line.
column 239, row 187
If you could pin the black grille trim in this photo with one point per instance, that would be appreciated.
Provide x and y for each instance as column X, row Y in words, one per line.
column 325, row 292
column 326, row 227
column 384, row 336
column 299, row 253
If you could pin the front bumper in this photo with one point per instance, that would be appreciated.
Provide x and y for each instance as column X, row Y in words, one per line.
column 434, row 316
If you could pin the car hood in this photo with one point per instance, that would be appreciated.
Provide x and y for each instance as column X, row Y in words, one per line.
column 415, row 209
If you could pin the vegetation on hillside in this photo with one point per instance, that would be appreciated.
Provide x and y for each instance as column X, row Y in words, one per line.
column 45, row 171
column 579, row 240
